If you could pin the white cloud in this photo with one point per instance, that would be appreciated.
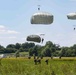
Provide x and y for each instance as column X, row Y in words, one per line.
column 23, row 38
column 12, row 32
column 5, row 38
column 4, row 30
column 2, row 27
column 13, row 37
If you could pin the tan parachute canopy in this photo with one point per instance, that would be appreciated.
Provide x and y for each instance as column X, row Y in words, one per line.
column 42, row 18
column 34, row 38
column 72, row 16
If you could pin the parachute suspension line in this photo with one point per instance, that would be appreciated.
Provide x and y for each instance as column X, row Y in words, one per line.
column 38, row 7
column 42, row 37
column 74, row 27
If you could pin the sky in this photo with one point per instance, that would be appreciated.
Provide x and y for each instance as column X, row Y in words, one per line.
column 15, row 23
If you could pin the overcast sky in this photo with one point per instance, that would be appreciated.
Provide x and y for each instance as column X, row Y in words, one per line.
column 15, row 23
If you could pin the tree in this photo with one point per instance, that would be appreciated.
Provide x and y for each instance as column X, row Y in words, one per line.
column 2, row 49
column 10, row 46
column 49, row 44
column 47, row 52
column 10, row 50
column 63, row 51
column 17, row 46
column 28, row 45
column 70, row 53
column 35, row 50
column 31, row 45
column 17, row 54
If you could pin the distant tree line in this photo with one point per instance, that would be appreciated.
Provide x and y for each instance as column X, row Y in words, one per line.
column 12, row 48
column 49, row 49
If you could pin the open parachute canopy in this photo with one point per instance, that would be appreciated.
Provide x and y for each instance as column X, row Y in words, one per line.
column 34, row 38
column 42, row 18
column 72, row 16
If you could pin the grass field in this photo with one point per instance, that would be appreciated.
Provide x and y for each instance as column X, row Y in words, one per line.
column 25, row 66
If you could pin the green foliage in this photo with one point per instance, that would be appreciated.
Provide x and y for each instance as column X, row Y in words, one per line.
column 49, row 49
column 10, row 50
column 2, row 49
column 17, row 46
column 17, row 54
column 10, row 46
column 35, row 50
column 47, row 52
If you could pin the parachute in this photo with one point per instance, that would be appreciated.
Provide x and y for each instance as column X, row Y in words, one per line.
column 72, row 16
column 42, row 18
column 34, row 38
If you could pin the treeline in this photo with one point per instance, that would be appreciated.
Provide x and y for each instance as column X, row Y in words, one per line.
column 12, row 48
column 49, row 49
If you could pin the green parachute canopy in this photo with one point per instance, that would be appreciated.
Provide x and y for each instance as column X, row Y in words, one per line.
column 72, row 16
column 42, row 18
column 34, row 38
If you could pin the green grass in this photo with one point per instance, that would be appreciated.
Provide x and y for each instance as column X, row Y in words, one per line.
column 24, row 66
column 26, row 53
